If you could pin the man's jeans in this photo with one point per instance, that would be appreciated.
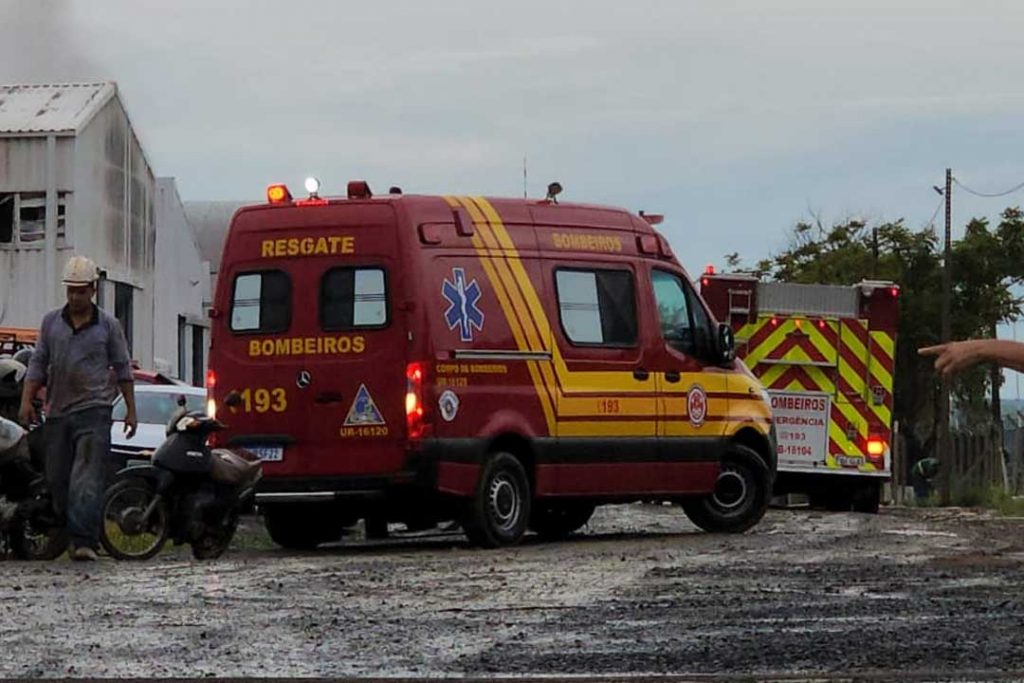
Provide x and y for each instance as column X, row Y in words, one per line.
column 79, row 467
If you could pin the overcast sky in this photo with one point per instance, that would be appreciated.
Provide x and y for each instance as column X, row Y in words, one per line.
column 734, row 119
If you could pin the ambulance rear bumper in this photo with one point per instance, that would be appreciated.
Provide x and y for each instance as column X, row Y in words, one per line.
column 327, row 488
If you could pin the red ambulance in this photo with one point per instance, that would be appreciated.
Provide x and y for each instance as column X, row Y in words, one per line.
column 506, row 363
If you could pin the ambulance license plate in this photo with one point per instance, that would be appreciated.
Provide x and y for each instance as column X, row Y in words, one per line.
column 267, row 453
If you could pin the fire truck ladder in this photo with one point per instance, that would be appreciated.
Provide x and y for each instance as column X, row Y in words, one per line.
column 740, row 309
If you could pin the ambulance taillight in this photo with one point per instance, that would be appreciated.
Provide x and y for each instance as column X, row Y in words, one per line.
column 211, row 383
column 414, row 380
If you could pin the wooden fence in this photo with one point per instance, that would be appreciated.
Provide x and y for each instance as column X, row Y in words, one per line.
column 980, row 461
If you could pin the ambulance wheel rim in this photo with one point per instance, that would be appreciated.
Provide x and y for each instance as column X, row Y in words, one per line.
column 730, row 490
column 504, row 502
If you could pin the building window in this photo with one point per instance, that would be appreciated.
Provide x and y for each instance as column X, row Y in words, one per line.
column 353, row 297
column 261, row 302
column 23, row 217
column 6, row 218
column 182, row 355
column 124, row 304
column 597, row 307
column 32, row 218
column 198, row 350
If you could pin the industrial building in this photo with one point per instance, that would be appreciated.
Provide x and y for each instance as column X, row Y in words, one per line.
column 74, row 178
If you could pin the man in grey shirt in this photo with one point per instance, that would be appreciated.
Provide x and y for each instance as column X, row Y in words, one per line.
column 81, row 358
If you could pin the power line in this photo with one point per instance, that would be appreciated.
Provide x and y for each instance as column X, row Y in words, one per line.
column 989, row 194
column 931, row 221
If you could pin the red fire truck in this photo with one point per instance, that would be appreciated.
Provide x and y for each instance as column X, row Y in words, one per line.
column 826, row 355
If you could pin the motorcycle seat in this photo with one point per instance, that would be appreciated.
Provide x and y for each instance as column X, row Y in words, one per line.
column 231, row 468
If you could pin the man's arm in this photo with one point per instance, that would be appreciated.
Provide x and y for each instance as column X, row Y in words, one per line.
column 131, row 421
column 117, row 356
column 956, row 356
column 27, row 411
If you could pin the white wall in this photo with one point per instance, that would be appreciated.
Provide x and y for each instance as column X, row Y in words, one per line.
column 114, row 205
column 182, row 280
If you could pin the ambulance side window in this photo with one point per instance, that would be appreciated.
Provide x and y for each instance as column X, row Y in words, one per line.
column 261, row 302
column 352, row 298
column 684, row 322
column 703, row 334
column 597, row 307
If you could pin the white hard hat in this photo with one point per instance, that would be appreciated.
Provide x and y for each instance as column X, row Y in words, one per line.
column 80, row 271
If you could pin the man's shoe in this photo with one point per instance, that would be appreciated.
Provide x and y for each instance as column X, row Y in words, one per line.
column 84, row 554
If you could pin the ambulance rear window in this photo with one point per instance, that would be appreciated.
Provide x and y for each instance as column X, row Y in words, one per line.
column 261, row 302
column 597, row 307
column 351, row 298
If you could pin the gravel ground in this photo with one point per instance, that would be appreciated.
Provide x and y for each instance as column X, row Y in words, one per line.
column 925, row 592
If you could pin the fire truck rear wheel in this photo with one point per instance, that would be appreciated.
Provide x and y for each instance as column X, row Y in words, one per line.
column 302, row 527
column 868, row 497
column 499, row 510
column 556, row 520
column 741, row 494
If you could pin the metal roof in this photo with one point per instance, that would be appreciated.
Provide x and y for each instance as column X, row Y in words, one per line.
column 51, row 108
column 210, row 221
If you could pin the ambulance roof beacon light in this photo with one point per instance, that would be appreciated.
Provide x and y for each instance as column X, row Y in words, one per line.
column 278, row 194
column 652, row 218
column 313, row 187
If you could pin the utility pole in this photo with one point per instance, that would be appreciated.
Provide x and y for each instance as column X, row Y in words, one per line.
column 524, row 176
column 944, row 437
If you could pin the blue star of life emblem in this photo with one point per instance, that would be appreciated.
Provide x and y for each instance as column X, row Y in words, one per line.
column 462, row 309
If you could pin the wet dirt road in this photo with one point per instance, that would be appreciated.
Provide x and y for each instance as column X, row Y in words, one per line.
column 931, row 592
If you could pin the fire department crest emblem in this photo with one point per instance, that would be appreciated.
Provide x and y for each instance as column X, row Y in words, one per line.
column 697, row 405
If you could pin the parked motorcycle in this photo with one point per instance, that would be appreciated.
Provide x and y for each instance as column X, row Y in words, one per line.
column 29, row 528
column 189, row 493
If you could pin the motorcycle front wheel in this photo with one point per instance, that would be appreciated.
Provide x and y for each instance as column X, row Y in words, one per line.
column 127, row 533
column 214, row 542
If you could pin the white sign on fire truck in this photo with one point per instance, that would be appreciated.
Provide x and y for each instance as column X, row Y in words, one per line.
column 801, row 424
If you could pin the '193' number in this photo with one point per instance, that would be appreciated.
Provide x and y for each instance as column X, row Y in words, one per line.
column 264, row 400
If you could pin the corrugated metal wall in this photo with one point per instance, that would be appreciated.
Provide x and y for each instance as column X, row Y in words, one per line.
column 110, row 218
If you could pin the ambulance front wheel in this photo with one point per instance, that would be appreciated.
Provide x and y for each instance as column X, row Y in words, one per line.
column 741, row 495
column 499, row 510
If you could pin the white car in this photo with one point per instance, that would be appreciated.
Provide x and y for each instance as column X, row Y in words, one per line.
column 154, row 405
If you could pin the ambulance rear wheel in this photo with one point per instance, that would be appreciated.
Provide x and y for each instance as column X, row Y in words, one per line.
column 741, row 494
column 555, row 521
column 499, row 511
column 301, row 527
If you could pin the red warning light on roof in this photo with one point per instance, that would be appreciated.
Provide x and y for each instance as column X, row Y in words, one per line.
column 709, row 269
column 895, row 291
column 278, row 193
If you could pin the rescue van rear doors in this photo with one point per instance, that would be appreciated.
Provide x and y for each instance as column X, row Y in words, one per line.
column 316, row 353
